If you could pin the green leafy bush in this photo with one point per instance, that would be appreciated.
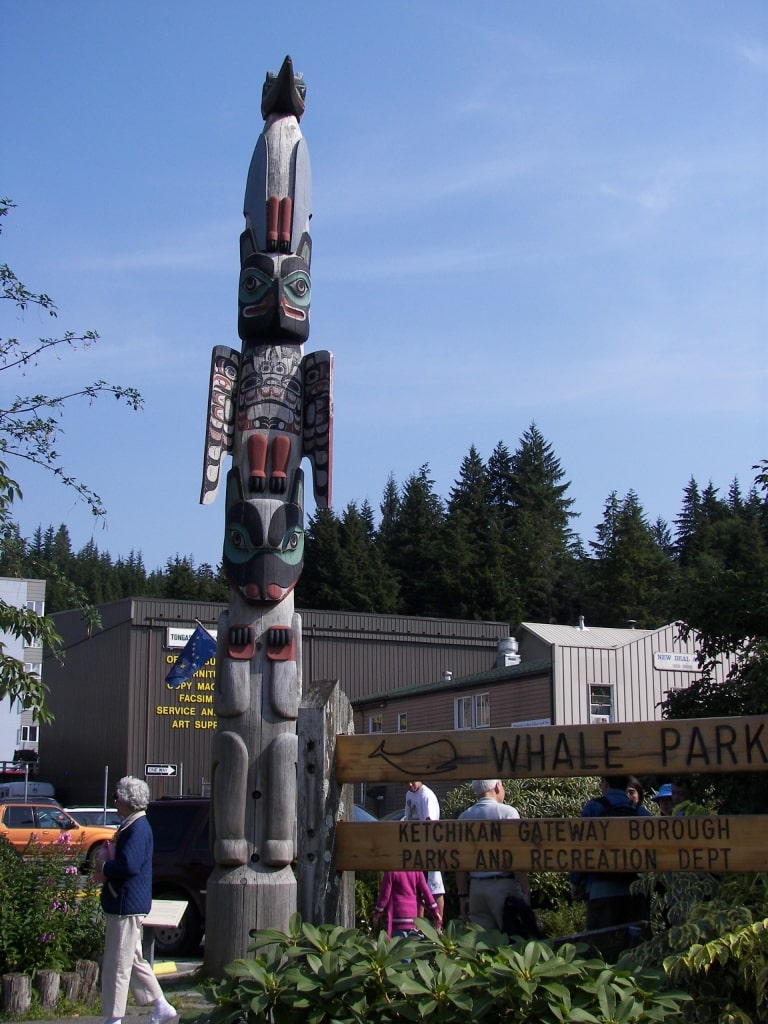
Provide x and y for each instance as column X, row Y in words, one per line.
column 712, row 938
column 331, row 975
column 50, row 915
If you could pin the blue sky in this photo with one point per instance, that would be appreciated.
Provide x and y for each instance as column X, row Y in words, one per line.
column 549, row 212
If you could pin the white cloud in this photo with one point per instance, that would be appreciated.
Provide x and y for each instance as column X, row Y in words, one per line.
column 657, row 191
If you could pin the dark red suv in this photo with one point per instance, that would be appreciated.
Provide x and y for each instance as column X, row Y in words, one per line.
column 180, row 868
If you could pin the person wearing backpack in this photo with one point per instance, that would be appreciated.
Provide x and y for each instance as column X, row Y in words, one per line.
column 609, row 900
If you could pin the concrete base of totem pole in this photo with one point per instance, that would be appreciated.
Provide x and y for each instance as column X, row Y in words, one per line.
column 239, row 900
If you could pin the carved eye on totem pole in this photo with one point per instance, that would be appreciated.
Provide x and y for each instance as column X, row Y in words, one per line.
column 264, row 541
column 274, row 297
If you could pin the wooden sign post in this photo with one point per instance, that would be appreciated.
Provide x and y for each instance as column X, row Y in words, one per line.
column 666, row 748
column 717, row 844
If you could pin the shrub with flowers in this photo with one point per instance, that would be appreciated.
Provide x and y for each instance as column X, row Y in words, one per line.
column 50, row 915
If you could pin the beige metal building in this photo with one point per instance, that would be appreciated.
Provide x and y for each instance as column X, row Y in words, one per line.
column 611, row 675
column 114, row 713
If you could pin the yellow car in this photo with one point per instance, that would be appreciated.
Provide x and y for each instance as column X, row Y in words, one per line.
column 47, row 823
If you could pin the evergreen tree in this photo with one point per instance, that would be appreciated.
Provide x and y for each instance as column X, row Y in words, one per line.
column 367, row 582
column 689, row 523
column 390, row 513
column 320, row 584
column 631, row 575
column 476, row 573
column 539, row 516
column 414, row 545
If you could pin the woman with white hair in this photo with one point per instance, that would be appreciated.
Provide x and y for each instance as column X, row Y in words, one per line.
column 126, row 897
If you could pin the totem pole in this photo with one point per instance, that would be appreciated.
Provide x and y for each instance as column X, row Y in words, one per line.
column 269, row 407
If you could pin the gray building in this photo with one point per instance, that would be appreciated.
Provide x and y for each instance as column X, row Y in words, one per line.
column 114, row 713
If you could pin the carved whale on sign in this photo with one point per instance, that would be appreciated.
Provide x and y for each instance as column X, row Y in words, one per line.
column 432, row 758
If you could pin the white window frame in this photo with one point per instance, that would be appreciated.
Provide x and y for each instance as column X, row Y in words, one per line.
column 602, row 703
column 402, row 721
column 376, row 722
column 472, row 711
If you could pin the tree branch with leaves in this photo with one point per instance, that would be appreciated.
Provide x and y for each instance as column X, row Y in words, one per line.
column 30, row 428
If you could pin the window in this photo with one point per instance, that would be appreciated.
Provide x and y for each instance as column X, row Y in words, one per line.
column 19, row 817
column 402, row 722
column 600, row 703
column 37, row 607
column 28, row 734
column 473, row 712
column 375, row 723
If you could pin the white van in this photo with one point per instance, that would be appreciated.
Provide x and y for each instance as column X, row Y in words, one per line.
column 26, row 790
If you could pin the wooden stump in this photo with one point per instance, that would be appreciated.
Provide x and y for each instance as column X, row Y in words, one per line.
column 17, row 995
column 47, row 985
column 88, row 972
column 70, row 986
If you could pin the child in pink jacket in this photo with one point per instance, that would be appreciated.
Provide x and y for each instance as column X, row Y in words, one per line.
column 399, row 896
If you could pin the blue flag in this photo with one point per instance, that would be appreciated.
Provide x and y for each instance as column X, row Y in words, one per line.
column 200, row 647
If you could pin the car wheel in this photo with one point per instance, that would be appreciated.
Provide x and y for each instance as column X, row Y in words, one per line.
column 186, row 937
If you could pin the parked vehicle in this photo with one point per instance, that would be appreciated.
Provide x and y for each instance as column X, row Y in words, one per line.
column 20, row 821
column 360, row 814
column 26, row 789
column 182, row 863
column 106, row 816
column 180, row 868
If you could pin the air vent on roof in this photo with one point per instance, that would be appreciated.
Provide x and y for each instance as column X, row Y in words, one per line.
column 507, row 652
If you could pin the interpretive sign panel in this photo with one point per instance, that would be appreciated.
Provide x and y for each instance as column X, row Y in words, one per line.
column 719, row 844
column 738, row 744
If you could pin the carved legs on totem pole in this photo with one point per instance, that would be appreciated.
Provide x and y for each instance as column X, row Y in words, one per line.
column 255, row 749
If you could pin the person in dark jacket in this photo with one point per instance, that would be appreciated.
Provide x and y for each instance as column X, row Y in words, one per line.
column 609, row 900
column 126, row 897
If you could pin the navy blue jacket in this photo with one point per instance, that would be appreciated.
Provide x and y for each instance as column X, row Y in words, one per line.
column 601, row 886
column 127, row 888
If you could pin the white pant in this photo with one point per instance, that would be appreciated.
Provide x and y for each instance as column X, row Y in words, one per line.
column 124, row 967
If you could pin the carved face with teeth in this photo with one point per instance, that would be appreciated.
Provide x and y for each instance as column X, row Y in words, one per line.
column 273, row 297
column 264, row 542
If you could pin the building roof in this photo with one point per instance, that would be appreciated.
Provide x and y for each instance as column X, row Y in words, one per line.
column 585, row 636
column 492, row 675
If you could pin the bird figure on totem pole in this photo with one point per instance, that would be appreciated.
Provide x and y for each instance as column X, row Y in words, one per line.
column 270, row 406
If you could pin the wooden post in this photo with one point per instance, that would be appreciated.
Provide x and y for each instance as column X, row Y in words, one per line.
column 70, row 986
column 47, row 984
column 17, row 995
column 88, row 972
column 325, row 896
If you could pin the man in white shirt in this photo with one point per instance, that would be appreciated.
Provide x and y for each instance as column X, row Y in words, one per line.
column 421, row 804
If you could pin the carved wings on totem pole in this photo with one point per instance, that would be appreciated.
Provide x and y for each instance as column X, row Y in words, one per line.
column 270, row 405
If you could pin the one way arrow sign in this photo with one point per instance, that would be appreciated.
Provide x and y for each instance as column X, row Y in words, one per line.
column 160, row 769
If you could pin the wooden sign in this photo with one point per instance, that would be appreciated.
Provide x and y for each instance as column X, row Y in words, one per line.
column 719, row 844
column 661, row 748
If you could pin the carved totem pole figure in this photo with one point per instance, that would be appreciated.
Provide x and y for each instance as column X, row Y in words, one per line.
column 269, row 407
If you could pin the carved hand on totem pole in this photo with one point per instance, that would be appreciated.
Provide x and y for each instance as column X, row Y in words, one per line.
column 270, row 406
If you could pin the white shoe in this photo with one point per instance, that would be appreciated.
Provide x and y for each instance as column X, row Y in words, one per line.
column 163, row 1013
